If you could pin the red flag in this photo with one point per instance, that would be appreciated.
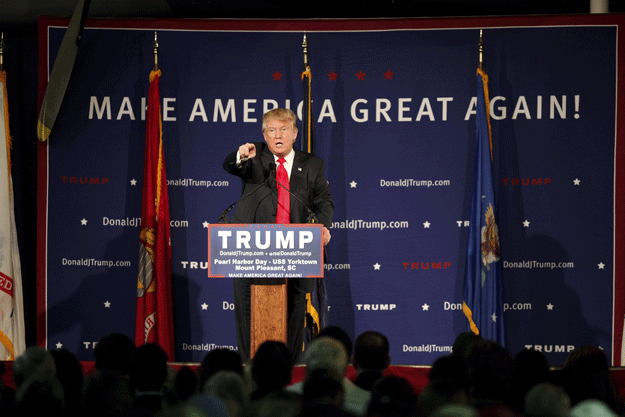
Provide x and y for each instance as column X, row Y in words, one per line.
column 154, row 320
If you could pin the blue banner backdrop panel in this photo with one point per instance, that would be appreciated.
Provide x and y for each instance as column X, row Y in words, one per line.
column 395, row 122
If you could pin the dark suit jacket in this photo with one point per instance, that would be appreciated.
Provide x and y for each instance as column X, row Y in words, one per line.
column 307, row 182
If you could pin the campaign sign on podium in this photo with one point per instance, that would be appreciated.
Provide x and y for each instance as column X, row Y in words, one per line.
column 265, row 250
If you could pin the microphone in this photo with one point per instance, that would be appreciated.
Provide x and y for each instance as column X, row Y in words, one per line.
column 312, row 217
column 224, row 215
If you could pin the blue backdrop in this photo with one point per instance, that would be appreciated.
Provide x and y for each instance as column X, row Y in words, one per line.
column 395, row 110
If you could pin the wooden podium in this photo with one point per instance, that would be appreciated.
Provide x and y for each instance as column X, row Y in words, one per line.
column 268, row 305
column 268, row 254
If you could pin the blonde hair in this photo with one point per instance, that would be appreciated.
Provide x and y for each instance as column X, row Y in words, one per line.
column 283, row 115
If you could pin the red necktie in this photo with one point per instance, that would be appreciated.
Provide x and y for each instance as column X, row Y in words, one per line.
column 284, row 199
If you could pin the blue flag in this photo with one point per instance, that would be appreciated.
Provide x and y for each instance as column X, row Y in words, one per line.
column 483, row 299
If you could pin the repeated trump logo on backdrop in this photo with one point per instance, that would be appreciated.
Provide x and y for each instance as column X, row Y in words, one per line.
column 395, row 111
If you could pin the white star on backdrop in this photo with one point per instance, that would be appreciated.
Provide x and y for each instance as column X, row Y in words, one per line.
column 576, row 181
column 549, row 306
column 494, row 317
column 526, row 223
column 353, row 184
column 376, row 267
column 426, row 225
column 601, row 265
column 205, row 224
column 107, row 304
column 83, row 222
column 133, row 182
column 425, row 307
column 59, row 345
column 204, row 306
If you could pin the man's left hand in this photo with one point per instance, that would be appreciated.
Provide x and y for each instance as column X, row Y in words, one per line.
column 325, row 235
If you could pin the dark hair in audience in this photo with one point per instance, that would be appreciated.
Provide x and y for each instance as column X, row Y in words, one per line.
column 339, row 334
column 271, row 367
column 114, row 352
column 393, row 396
column 586, row 375
column 464, row 342
column 70, row 375
column 530, row 368
column 451, row 367
column 371, row 350
column 440, row 392
column 319, row 385
column 185, row 383
column 148, row 368
column 219, row 360
column 490, row 368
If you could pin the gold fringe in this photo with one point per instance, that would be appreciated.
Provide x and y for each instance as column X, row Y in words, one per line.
column 469, row 314
column 487, row 101
column 6, row 341
column 161, row 156
column 308, row 74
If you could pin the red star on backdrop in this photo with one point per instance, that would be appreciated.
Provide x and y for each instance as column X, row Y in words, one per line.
column 332, row 76
column 277, row 76
column 360, row 75
column 388, row 75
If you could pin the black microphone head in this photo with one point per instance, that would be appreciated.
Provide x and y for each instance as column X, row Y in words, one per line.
column 272, row 166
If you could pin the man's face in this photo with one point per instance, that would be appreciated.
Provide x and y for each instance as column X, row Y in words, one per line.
column 280, row 136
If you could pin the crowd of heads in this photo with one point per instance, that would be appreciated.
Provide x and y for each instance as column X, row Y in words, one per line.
column 479, row 378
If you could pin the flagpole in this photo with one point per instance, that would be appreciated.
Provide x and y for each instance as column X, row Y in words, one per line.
column 305, row 50
column 2, row 45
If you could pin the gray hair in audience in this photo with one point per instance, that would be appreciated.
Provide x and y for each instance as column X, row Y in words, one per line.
column 546, row 400
column 35, row 362
column 230, row 387
column 329, row 354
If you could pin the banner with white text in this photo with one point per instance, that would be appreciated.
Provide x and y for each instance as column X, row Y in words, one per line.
column 395, row 105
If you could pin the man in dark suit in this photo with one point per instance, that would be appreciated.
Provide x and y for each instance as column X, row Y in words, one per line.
column 260, row 166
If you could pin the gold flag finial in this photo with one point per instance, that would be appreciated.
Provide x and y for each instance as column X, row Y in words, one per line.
column 155, row 52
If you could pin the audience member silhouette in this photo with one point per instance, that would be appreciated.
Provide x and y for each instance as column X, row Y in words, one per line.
column 586, row 375
column 271, row 368
column 70, row 375
column 371, row 358
column 341, row 335
column 113, row 353
column 231, row 388
column 34, row 362
column 546, row 400
column 451, row 367
column 278, row 403
column 148, row 373
column 530, row 368
column 490, row 368
column 219, row 360
column 392, row 396
column 464, row 342
column 329, row 354
column 439, row 392
column 185, row 385
column 108, row 392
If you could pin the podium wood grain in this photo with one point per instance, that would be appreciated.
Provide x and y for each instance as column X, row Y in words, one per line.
column 268, row 303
